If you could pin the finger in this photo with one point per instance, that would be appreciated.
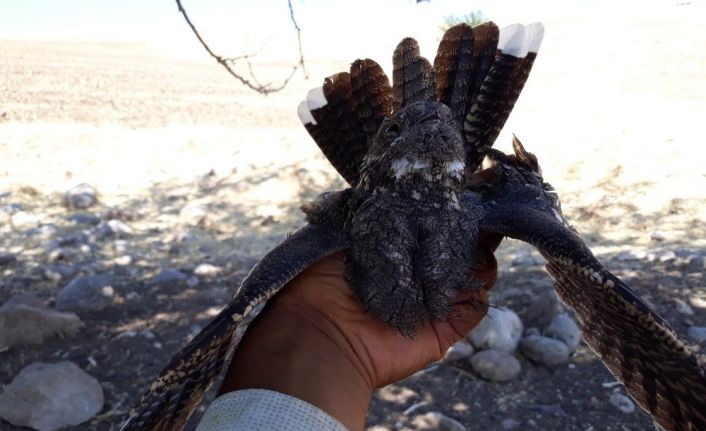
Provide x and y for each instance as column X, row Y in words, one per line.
column 490, row 241
column 466, row 314
column 488, row 273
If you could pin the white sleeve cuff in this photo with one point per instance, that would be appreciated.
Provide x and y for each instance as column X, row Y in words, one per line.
column 264, row 410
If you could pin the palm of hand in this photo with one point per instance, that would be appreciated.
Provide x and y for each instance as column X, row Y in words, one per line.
column 381, row 354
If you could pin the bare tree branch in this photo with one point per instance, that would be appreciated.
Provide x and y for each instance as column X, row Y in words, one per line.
column 226, row 62
column 299, row 39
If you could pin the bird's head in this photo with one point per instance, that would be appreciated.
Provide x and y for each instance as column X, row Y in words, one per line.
column 417, row 148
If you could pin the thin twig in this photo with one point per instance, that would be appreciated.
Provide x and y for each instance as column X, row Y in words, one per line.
column 299, row 39
column 226, row 62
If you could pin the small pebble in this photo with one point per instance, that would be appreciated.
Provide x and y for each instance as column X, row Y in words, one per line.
column 123, row 260
column 544, row 350
column 87, row 293
column 61, row 254
column 207, row 270
column 48, row 397
column 146, row 333
column 457, row 351
column 658, row 236
column 697, row 263
column 7, row 259
column 11, row 208
column 58, row 272
column 113, row 227
column 120, row 245
column 495, row 365
column 564, row 328
column 24, row 320
column 532, row 331
column 500, row 329
column 193, row 281
column 126, row 334
column 683, row 307
column 622, row 403
column 510, row 424
column 119, row 228
column 628, row 255
column 667, row 256
column 414, row 407
column 23, row 220
column 697, row 301
column 44, row 231
column 81, row 196
column 83, row 218
column 437, row 421
column 697, row 333
column 535, row 305
column 169, row 275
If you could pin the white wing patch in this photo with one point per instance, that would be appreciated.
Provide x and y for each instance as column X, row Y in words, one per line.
column 517, row 40
column 304, row 114
column 315, row 99
column 536, row 31
column 506, row 33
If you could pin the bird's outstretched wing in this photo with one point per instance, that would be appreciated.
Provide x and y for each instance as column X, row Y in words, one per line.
column 180, row 387
column 636, row 344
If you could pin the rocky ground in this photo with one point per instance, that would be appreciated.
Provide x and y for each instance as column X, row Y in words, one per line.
column 189, row 179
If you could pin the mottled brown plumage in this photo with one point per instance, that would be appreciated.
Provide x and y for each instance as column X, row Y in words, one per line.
column 412, row 75
column 412, row 220
column 453, row 65
column 634, row 343
column 371, row 95
column 336, row 128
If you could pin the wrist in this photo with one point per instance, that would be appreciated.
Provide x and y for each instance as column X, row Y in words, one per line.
column 289, row 352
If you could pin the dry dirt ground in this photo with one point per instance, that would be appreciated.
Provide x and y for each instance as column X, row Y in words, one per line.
column 204, row 171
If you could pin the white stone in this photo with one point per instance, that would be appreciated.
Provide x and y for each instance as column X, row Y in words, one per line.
column 544, row 350
column 510, row 424
column 697, row 333
column 564, row 328
column 658, row 236
column 28, row 322
column 496, row 365
column 683, row 307
column 500, row 329
column 207, row 270
column 47, row 397
column 457, row 351
column 622, row 402
column 81, row 196
column 437, row 421
column 628, row 255
column 92, row 293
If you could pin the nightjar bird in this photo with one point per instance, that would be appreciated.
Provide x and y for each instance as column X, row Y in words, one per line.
column 411, row 218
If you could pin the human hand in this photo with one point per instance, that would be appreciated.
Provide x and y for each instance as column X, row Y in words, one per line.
column 314, row 341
